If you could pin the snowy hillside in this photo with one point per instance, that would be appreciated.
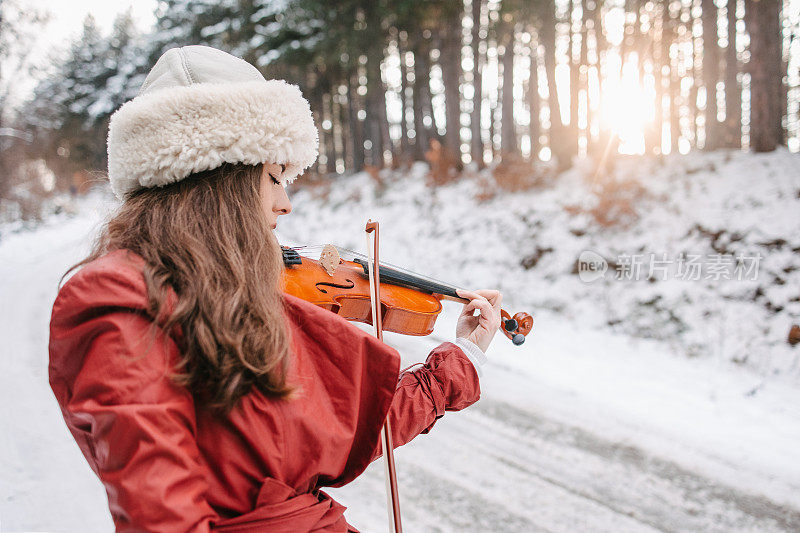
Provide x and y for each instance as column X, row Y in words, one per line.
column 586, row 427
column 719, row 234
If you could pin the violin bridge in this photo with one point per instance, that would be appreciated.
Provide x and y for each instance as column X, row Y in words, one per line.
column 329, row 259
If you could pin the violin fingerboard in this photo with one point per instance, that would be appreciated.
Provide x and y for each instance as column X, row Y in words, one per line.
column 403, row 279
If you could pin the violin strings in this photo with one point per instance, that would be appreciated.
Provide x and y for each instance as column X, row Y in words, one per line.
column 312, row 252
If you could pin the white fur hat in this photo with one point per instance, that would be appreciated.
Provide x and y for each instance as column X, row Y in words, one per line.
column 200, row 107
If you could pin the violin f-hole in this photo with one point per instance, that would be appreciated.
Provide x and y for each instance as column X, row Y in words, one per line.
column 321, row 284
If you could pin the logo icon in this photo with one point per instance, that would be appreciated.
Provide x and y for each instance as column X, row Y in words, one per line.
column 591, row 266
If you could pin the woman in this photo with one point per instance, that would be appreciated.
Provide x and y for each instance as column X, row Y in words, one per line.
column 203, row 397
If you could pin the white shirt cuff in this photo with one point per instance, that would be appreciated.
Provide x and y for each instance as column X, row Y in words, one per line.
column 473, row 353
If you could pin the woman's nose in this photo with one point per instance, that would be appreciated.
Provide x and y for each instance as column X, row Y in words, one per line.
column 283, row 206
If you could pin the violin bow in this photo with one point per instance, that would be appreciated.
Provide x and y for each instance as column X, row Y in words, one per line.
column 392, row 494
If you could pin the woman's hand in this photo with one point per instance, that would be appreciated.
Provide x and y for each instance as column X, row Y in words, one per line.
column 479, row 329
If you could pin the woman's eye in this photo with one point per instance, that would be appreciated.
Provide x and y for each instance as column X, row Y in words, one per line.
column 274, row 180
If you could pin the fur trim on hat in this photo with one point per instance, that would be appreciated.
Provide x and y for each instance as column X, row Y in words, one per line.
column 162, row 137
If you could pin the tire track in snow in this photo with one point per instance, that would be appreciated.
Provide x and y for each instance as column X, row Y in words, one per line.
column 626, row 479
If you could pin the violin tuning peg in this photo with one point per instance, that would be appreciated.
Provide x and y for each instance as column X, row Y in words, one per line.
column 518, row 339
column 511, row 325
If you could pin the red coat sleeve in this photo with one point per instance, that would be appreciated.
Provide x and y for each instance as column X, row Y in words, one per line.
column 447, row 381
column 111, row 376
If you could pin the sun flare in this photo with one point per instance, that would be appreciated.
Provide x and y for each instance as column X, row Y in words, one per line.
column 627, row 105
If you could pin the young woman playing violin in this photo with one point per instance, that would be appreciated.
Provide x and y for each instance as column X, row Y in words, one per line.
column 202, row 396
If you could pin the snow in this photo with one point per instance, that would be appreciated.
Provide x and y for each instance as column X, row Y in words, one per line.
column 45, row 484
column 587, row 426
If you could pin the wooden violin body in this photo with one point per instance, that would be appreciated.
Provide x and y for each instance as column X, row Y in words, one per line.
column 346, row 293
column 409, row 303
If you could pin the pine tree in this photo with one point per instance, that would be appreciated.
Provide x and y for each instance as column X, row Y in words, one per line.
column 124, row 69
column 180, row 23
column 85, row 73
column 70, row 108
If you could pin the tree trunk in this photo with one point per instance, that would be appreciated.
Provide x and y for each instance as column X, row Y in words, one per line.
column 356, row 126
column 574, row 75
column 583, row 73
column 508, row 135
column 558, row 147
column 330, row 140
column 602, row 146
column 674, row 86
column 376, row 120
column 710, row 72
column 450, row 62
column 646, row 45
column 600, row 41
column 386, row 138
column 476, row 143
column 313, row 81
column 694, row 111
column 627, row 34
column 423, row 110
column 642, row 39
column 345, row 133
column 376, row 104
column 783, row 98
column 405, row 150
column 534, row 102
column 762, row 19
column 493, row 130
column 733, row 95
column 661, row 62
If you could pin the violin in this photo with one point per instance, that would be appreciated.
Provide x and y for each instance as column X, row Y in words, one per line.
column 338, row 280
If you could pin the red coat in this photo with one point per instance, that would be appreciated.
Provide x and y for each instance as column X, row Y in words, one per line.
column 169, row 466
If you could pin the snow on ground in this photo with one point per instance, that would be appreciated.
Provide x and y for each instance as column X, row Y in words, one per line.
column 587, row 426
column 45, row 484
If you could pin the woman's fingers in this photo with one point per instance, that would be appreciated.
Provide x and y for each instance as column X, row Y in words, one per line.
column 487, row 301
column 469, row 309
column 491, row 295
column 484, row 307
column 481, row 328
column 494, row 297
column 475, row 303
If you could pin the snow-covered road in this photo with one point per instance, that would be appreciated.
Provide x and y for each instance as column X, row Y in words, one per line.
column 577, row 430
column 501, row 467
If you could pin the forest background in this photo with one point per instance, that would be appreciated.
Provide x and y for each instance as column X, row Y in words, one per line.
column 526, row 88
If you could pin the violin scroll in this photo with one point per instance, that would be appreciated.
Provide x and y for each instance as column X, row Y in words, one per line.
column 516, row 327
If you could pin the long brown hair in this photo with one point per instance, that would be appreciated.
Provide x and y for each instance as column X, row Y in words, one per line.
column 207, row 238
